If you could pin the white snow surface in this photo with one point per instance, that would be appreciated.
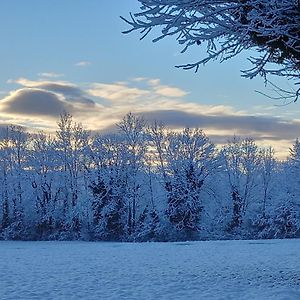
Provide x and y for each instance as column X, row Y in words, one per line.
column 183, row 270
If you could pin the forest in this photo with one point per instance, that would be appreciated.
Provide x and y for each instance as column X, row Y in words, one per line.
column 144, row 182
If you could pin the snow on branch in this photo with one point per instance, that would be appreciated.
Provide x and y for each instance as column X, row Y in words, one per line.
column 228, row 27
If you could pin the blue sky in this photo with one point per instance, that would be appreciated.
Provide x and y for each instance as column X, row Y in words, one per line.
column 71, row 54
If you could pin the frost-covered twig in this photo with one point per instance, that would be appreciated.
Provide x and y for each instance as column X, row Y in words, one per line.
column 228, row 27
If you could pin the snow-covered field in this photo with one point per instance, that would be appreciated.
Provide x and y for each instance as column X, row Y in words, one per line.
column 190, row 270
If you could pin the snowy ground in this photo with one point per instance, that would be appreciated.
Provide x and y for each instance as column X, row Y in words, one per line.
column 191, row 270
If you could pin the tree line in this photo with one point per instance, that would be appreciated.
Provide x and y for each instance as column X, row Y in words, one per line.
column 143, row 183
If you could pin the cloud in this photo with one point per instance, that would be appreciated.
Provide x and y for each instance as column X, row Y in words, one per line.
column 139, row 79
column 83, row 63
column 39, row 103
column 117, row 92
column 50, row 75
column 142, row 97
column 259, row 127
column 99, row 106
column 165, row 90
column 170, row 91
column 69, row 91
column 153, row 82
column 34, row 102
column 124, row 91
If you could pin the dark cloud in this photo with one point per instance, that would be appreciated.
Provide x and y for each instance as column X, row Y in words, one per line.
column 69, row 91
column 60, row 88
column 225, row 138
column 259, row 127
column 34, row 102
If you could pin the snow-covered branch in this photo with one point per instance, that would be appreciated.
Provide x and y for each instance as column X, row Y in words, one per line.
column 228, row 27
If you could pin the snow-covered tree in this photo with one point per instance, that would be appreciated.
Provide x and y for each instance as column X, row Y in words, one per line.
column 288, row 211
column 242, row 166
column 295, row 152
column 5, row 169
column 148, row 225
column 14, row 162
column 43, row 163
column 132, row 137
column 269, row 176
column 71, row 144
column 18, row 140
column 109, row 189
column 185, row 159
column 143, row 185
column 292, row 171
column 267, row 173
column 227, row 28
